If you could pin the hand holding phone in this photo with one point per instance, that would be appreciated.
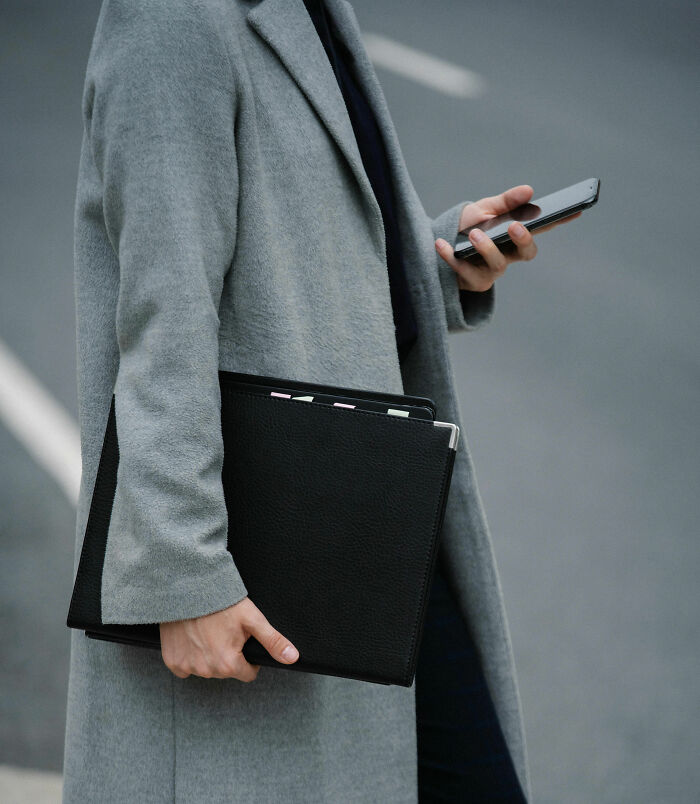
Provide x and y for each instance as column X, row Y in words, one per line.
column 533, row 215
column 497, row 230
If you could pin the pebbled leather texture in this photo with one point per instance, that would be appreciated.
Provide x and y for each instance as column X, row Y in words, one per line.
column 334, row 523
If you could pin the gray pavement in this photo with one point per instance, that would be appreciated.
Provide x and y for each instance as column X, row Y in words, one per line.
column 579, row 399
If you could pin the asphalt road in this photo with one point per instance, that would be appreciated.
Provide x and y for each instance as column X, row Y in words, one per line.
column 579, row 399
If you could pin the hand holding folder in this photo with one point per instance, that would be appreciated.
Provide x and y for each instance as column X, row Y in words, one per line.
column 211, row 646
column 335, row 511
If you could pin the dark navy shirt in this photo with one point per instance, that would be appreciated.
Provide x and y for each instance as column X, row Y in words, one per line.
column 371, row 147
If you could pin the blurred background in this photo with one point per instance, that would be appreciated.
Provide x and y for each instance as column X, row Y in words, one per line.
column 579, row 399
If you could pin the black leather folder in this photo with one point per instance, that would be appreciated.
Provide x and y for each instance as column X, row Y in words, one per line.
column 334, row 516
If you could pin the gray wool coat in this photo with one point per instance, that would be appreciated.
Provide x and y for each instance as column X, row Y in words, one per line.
column 223, row 219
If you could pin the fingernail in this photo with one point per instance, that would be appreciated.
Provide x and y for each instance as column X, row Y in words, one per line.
column 519, row 229
column 290, row 653
column 440, row 243
column 476, row 236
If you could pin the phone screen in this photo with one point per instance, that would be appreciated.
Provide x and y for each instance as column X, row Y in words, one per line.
column 541, row 209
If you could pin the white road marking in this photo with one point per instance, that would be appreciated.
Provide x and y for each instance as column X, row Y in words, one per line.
column 50, row 435
column 40, row 424
column 21, row 786
column 451, row 79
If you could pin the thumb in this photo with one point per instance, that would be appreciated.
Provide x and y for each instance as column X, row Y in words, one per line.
column 277, row 645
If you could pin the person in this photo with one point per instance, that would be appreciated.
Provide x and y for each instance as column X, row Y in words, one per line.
column 242, row 203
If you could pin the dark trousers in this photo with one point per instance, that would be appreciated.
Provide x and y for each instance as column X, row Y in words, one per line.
column 462, row 754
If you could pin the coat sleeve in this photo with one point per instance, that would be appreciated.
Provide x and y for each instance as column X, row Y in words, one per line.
column 159, row 107
column 466, row 310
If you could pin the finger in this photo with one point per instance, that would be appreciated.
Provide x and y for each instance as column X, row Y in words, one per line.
column 230, row 663
column 180, row 673
column 277, row 645
column 176, row 668
column 236, row 666
column 170, row 657
column 523, row 240
column 493, row 257
column 472, row 274
column 202, row 668
column 511, row 198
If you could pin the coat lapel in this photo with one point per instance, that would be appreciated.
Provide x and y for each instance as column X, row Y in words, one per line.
column 288, row 29
column 348, row 30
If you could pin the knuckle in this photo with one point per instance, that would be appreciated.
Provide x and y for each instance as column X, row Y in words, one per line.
column 177, row 670
column 202, row 669
column 173, row 663
column 181, row 671
column 236, row 666
column 276, row 642
column 243, row 671
column 251, row 617
column 229, row 667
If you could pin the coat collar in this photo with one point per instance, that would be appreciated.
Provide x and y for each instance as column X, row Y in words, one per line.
column 288, row 29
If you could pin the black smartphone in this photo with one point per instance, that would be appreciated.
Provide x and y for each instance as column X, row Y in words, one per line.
column 533, row 215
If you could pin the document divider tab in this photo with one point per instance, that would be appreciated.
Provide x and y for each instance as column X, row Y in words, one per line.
column 334, row 515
